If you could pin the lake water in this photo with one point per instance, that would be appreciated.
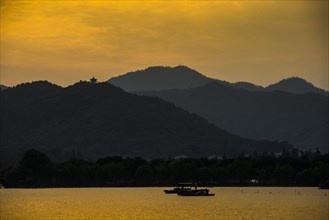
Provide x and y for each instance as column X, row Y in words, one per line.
column 153, row 203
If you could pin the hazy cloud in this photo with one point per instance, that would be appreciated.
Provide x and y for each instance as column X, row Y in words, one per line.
column 260, row 42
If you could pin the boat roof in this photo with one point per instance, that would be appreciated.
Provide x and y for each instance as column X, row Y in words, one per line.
column 185, row 184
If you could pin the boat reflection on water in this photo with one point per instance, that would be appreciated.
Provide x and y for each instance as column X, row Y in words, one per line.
column 186, row 189
column 196, row 192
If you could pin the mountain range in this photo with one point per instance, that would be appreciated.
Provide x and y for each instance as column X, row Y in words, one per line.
column 300, row 119
column 168, row 111
column 99, row 119
column 290, row 110
column 182, row 77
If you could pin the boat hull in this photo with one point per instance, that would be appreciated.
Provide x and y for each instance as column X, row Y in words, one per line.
column 210, row 194
column 196, row 193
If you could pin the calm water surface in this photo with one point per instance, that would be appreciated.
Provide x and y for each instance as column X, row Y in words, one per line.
column 153, row 203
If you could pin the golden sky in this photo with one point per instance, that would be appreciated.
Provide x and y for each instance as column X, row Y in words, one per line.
column 255, row 41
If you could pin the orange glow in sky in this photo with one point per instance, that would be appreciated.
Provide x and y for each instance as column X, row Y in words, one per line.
column 255, row 41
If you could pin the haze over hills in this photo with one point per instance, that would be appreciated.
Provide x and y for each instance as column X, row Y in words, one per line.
column 301, row 119
column 99, row 119
column 182, row 77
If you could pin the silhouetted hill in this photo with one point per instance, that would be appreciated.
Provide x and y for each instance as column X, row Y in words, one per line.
column 30, row 91
column 246, row 86
column 301, row 119
column 159, row 78
column 3, row 87
column 164, row 78
column 99, row 119
column 295, row 85
column 182, row 77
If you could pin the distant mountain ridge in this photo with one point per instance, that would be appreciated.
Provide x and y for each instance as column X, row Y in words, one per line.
column 182, row 77
column 301, row 119
column 160, row 78
column 99, row 119
column 295, row 85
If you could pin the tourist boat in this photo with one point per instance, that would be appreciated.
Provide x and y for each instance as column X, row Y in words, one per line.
column 182, row 187
column 196, row 192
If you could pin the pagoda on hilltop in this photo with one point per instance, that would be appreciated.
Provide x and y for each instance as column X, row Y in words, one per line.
column 93, row 80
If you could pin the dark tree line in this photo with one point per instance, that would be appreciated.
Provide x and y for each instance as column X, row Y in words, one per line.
column 291, row 168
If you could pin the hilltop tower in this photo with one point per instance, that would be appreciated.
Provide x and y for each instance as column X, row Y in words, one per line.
column 93, row 80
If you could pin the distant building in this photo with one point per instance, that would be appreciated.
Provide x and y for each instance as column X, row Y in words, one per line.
column 93, row 80
column 181, row 156
column 278, row 154
column 215, row 157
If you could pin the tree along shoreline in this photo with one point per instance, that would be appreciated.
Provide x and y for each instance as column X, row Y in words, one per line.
column 167, row 186
column 290, row 169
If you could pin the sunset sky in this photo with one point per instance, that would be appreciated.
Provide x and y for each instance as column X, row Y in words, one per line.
column 256, row 41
